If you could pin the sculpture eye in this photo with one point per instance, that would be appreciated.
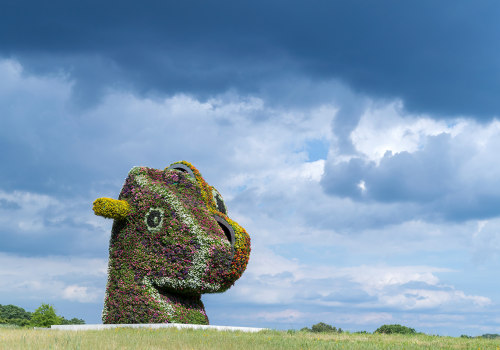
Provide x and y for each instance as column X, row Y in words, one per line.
column 183, row 168
column 219, row 202
column 154, row 219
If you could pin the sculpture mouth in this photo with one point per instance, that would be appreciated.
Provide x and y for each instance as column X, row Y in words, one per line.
column 172, row 296
column 177, row 302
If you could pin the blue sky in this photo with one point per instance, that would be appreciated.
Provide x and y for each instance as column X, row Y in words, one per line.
column 356, row 142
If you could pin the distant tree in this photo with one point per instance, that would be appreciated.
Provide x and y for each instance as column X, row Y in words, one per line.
column 322, row 328
column 10, row 312
column 395, row 329
column 72, row 321
column 490, row 336
column 15, row 315
column 45, row 316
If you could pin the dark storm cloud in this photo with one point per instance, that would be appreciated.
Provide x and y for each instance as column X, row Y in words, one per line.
column 439, row 57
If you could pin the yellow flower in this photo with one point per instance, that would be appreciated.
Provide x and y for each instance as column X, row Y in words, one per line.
column 111, row 208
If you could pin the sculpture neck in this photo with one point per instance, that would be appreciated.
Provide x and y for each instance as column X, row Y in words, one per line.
column 134, row 301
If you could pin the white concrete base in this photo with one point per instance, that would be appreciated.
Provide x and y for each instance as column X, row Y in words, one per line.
column 88, row 327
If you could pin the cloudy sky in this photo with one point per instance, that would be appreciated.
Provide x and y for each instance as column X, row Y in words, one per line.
column 357, row 142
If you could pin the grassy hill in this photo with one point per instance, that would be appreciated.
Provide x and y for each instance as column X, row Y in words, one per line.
column 171, row 338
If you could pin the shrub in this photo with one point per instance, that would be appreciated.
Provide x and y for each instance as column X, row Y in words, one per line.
column 9, row 312
column 72, row 321
column 322, row 328
column 490, row 336
column 44, row 316
column 395, row 329
column 14, row 315
column 21, row 322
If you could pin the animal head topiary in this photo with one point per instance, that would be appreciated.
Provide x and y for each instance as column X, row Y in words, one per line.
column 171, row 241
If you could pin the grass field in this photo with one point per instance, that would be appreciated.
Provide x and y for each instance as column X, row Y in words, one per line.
column 171, row 338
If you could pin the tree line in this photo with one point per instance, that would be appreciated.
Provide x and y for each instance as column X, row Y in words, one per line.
column 385, row 329
column 44, row 316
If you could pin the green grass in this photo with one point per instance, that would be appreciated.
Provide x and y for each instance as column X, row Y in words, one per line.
column 171, row 338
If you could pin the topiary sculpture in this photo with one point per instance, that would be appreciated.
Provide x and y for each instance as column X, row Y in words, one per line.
column 171, row 241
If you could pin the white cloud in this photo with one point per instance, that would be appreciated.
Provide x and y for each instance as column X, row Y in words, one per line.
column 388, row 128
column 39, row 224
column 272, row 279
column 81, row 294
column 24, row 209
column 485, row 242
column 46, row 278
column 410, row 299
column 369, row 318
column 283, row 315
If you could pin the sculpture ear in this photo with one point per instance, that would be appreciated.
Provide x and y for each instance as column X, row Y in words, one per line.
column 182, row 167
column 111, row 208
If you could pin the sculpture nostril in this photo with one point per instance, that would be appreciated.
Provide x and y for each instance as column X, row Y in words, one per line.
column 226, row 228
column 226, row 231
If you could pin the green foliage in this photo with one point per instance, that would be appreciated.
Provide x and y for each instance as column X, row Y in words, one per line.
column 74, row 320
column 490, row 336
column 14, row 315
column 10, row 312
column 45, row 316
column 395, row 329
column 322, row 328
column 21, row 322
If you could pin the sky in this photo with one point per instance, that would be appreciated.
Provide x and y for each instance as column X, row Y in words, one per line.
column 357, row 142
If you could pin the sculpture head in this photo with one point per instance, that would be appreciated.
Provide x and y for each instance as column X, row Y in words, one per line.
column 171, row 242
